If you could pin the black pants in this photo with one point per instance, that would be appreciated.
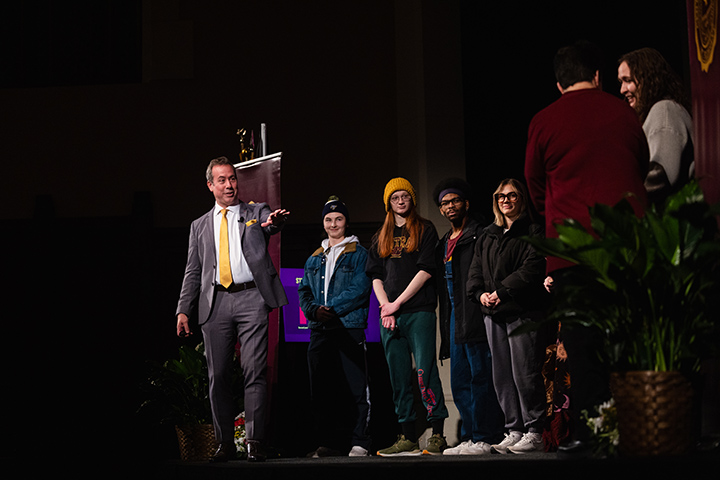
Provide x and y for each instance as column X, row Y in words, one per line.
column 339, row 391
column 589, row 372
column 589, row 375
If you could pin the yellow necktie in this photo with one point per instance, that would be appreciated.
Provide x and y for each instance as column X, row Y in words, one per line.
column 225, row 272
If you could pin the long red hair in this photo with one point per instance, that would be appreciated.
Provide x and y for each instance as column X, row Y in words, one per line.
column 414, row 226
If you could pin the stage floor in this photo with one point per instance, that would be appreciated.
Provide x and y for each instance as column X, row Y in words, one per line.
column 547, row 465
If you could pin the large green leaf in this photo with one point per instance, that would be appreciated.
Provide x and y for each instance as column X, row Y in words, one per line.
column 647, row 282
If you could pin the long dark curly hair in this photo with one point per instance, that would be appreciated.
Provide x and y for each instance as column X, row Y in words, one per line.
column 655, row 80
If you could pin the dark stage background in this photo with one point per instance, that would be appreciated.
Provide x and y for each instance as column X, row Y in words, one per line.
column 111, row 110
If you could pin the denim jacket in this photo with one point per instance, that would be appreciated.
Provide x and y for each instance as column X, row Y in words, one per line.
column 349, row 290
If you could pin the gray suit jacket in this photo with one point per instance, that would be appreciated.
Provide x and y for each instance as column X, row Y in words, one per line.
column 199, row 281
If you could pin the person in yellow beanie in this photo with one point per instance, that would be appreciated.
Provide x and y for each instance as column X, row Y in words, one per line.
column 401, row 264
column 396, row 185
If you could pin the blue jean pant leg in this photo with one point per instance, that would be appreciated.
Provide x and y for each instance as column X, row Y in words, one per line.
column 460, row 384
column 471, row 378
column 491, row 419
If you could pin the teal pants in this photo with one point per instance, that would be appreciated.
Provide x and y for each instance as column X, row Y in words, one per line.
column 415, row 337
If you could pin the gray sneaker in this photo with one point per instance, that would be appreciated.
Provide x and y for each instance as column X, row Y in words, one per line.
column 530, row 442
column 510, row 439
column 403, row 447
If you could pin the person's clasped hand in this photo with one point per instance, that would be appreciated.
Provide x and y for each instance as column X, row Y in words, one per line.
column 325, row 314
column 490, row 299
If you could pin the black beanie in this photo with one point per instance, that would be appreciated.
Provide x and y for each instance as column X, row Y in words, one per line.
column 335, row 205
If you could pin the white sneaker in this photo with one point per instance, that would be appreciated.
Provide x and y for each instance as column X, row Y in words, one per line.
column 358, row 451
column 510, row 439
column 530, row 442
column 479, row 448
column 458, row 450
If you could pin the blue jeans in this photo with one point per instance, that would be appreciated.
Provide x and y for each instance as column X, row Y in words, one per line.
column 473, row 392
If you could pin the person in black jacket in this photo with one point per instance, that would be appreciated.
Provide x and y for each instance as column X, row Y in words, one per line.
column 506, row 277
column 462, row 330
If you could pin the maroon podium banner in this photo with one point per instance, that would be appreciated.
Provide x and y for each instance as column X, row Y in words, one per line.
column 259, row 181
column 704, row 64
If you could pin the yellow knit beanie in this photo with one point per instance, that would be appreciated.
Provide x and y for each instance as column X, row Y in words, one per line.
column 394, row 185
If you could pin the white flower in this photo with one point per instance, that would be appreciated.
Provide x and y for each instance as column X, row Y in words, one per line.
column 239, row 434
column 606, row 406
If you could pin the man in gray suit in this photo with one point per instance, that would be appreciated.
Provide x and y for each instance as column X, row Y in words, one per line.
column 231, row 275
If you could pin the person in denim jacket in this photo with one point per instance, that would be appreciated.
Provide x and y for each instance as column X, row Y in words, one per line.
column 334, row 297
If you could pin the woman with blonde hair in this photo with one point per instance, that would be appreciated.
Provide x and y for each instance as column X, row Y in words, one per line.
column 506, row 278
column 401, row 264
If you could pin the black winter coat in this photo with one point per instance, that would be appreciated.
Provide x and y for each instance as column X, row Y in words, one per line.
column 469, row 324
column 505, row 263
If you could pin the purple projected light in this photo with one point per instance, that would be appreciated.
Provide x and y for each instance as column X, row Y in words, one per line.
column 295, row 323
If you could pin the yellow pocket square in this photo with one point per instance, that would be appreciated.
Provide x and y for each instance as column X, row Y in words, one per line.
column 248, row 223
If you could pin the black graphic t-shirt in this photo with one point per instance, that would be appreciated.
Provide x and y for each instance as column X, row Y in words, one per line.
column 399, row 268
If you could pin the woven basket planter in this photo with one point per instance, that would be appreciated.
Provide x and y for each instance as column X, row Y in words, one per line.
column 654, row 412
column 196, row 442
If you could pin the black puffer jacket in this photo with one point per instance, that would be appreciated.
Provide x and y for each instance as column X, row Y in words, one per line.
column 505, row 263
column 469, row 325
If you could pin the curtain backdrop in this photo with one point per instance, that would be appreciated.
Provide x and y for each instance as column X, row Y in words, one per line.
column 704, row 63
column 259, row 181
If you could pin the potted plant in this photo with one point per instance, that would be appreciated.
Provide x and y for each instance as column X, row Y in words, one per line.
column 649, row 284
column 177, row 392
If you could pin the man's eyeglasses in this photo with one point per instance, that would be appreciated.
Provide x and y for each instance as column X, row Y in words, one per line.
column 397, row 198
column 457, row 201
column 500, row 197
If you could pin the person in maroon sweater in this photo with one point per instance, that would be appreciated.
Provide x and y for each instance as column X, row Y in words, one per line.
column 587, row 147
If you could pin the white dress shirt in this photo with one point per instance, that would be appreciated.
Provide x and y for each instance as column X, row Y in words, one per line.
column 240, row 270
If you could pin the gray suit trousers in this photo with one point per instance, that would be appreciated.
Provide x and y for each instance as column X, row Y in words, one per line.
column 239, row 316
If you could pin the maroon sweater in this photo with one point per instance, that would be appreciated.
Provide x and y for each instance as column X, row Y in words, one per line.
column 587, row 147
